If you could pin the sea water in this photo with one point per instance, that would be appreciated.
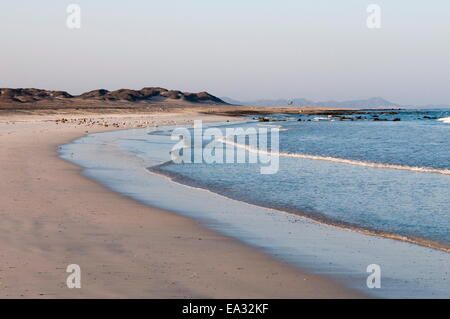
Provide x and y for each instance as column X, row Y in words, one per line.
column 356, row 177
column 392, row 177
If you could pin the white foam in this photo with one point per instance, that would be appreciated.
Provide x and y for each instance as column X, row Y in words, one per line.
column 342, row 160
column 322, row 118
column 445, row 120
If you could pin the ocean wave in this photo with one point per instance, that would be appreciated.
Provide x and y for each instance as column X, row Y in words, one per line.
column 341, row 160
column 445, row 120
column 270, row 125
column 321, row 118
column 317, row 218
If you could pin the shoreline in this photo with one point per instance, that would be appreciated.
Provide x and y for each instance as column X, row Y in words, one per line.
column 317, row 218
column 337, row 253
column 53, row 216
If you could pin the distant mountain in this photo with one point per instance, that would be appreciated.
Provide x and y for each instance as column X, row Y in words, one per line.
column 266, row 102
column 374, row 102
column 148, row 94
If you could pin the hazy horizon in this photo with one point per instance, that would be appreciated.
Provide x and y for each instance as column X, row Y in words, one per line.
column 250, row 50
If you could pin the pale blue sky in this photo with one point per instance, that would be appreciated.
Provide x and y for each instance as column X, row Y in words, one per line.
column 244, row 49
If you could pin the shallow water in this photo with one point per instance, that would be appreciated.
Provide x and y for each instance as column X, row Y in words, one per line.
column 388, row 177
column 119, row 160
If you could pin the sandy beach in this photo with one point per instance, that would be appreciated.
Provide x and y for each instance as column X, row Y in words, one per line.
column 53, row 216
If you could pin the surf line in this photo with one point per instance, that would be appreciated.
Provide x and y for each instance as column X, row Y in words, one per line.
column 345, row 161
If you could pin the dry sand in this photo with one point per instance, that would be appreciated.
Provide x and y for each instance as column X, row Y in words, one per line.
column 52, row 216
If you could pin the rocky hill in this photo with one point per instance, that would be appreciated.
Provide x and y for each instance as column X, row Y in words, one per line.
column 151, row 93
column 31, row 96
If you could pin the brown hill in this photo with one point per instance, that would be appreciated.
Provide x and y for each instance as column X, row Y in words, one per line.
column 31, row 95
column 151, row 93
column 94, row 94
column 147, row 94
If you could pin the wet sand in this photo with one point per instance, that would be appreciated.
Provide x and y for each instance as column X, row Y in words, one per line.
column 52, row 216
